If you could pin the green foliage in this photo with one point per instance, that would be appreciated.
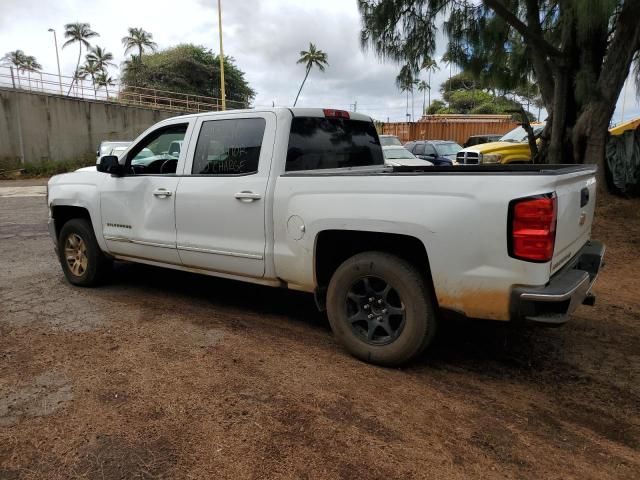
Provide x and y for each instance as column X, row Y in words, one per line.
column 577, row 52
column 461, row 81
column 463, row 101
column 435, row 107
column 22, row 61
column 188, row 69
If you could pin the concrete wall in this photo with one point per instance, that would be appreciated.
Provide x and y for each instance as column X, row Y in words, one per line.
column 43, row 127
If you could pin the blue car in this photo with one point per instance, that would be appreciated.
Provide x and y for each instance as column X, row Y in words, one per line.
column 438, row 152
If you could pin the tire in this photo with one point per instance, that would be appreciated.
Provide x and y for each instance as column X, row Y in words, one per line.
column 89, row 267
column 395, row 339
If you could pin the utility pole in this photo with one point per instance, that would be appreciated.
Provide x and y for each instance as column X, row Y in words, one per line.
column 55, row 42
column 222, row 92
column 355, row 105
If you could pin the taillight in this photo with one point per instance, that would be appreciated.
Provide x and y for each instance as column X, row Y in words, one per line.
column 532, row 228
column 330, row 112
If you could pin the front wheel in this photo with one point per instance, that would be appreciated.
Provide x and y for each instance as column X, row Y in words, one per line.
column 83, row 263
column 380, row 308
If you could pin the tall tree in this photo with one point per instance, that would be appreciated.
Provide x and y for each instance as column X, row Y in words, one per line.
column 15, row 58
column 578, row 51
column 104, row 80
column 92, row 70
column 138, row 39
column 430, row 66
column 101, row 57
column 188, row 69
column 30, row 64
column 424, row 87
column 79, row 33
column 405, row 83
column 310, row 58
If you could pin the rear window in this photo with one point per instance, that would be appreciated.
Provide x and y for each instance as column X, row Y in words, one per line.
column 389, row 141
column 316, row 143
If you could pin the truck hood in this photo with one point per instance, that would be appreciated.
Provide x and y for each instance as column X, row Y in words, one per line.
column 502, row 147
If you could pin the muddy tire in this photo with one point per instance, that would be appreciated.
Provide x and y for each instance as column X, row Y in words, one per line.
column 380, row 308
column 83, row 263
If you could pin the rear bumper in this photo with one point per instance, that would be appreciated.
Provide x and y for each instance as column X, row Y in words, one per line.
column 567, row 289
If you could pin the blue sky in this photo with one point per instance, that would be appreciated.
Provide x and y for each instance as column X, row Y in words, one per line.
column 263, row 36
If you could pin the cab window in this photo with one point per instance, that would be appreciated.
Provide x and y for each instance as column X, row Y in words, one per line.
column 229, row 147
column 158, row 153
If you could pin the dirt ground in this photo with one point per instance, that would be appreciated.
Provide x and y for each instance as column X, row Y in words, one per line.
column 168, row 375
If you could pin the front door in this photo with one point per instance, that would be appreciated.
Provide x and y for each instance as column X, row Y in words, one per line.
column 221, row 199
column 138, row 209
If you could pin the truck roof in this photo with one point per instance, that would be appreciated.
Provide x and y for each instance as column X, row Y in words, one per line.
column 295, row 111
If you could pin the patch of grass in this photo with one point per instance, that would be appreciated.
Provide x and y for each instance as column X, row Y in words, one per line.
column 47, row 168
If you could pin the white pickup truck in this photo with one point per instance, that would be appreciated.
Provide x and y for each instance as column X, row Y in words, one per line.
column 301, row 199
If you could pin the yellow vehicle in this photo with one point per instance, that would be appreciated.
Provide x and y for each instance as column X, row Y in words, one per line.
column 513, row 147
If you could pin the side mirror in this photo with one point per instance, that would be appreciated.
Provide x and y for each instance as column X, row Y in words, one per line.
column 110, row 164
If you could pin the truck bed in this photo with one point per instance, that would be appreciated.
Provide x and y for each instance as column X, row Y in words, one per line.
column 498, row 169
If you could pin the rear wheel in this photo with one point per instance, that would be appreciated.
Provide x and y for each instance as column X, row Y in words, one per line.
column 380, row 309
column 83, row 263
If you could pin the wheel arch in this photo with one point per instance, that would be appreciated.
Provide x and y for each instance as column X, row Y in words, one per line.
column 333, row 247
column 61, row 214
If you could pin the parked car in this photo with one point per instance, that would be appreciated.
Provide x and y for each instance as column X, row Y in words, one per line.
column 389, row 140
column 512, row 148
column 480, row 139
column 439, row 152
column 301, row 199
column 107, row 147
column 398, row 156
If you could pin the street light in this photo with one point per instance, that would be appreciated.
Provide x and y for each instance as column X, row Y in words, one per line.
column 55, row 42
column 222, row 93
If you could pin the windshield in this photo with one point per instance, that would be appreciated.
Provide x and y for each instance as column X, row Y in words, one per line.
column 397, row 153
column 448, row 148
column 389, row 140
column 519, row 134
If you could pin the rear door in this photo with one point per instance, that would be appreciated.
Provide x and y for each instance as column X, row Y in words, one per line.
column 220, row 203
column 576, row 200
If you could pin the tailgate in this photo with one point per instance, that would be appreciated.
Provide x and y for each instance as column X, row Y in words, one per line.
column 576, row 193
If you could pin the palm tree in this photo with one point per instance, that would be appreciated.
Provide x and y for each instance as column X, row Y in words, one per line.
column 15, row 58
column 78, row 32
column 405, row 83
column 91, row 69
column 104, row 80
column 100, row 57
column 77, row 76
column 430, row 65
column 140, row 39
column 30, row 64
column 423, row 87
column 310, row 58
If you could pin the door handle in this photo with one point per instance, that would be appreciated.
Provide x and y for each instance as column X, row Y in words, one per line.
column 162, row 193
column 247, row 196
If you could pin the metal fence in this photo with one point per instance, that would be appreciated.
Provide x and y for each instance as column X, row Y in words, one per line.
column 450, row 127
column 50, row 83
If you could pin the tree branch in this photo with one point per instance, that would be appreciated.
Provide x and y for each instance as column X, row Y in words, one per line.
column 530, row 36
column 544, row 73
column 622, row 49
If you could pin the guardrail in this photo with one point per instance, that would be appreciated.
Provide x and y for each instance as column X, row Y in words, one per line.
column 49, row 83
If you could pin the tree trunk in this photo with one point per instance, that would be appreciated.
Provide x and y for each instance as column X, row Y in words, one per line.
column 302, row 85
column 77, row 67
column 429, row 88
